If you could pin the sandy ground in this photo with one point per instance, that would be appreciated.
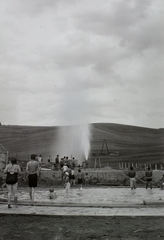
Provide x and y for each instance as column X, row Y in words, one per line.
column 28, row 227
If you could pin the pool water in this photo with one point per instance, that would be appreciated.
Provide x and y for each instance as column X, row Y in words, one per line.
column 103, row 195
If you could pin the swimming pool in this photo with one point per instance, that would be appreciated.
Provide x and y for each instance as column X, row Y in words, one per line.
column 89, row 195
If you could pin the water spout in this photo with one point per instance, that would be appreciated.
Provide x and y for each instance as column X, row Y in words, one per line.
column 86, row 134
column 74, row 141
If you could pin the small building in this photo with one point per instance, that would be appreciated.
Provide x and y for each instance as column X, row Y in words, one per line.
column 3, row 156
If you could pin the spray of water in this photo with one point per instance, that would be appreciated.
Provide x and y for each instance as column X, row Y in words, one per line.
column 74, row 141
column 74, row 135
column 86, row 135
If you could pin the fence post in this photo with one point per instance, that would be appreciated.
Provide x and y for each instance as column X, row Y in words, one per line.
column 122, row 165
column 99, row 162
column 95, row 163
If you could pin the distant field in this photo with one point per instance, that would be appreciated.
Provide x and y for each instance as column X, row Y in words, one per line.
column 113, row 142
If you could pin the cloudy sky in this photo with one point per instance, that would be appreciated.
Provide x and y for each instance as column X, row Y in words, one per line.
column 68, row 62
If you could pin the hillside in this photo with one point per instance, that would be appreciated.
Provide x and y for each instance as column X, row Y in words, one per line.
column 114, row 142
column 133, row 144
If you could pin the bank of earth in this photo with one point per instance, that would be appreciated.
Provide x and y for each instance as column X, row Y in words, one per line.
column 27, row 227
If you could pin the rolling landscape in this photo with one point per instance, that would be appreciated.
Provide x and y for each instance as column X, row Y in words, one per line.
column 113, row 143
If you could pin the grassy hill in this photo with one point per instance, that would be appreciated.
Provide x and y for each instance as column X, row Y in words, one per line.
column 113, row 142
column 134, row 144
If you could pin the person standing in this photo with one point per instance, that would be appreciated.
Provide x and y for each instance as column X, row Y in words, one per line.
column 67, row 183
column 131, row 174
column 57, row 162
column 12, row 170
column 49, row 159
column 64, row 168
column 80, row 178
column 72, row 177
column 149, row 175
column 61, row 163
column 40, row 161
column 49, row 162
column 32, row 169
column 86, row 179
column 162, row 182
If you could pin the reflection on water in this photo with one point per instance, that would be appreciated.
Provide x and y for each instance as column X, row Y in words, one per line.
column 95, row 195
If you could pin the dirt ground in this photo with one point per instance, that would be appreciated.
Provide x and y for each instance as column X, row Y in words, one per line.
column 27, row 227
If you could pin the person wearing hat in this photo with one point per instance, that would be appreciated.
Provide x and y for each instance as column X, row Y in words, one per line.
column 32, row 169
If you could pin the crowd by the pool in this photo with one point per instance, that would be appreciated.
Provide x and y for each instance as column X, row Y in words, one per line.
column 33, row 172
column 58, row 163
column 67, row 167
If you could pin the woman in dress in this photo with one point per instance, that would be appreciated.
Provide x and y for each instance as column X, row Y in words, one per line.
column 12, row 169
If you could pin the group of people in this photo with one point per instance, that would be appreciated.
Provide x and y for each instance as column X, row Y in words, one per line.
column 13, row 169
column 33, row 170
column 68, row 177
column 148, row 175
column 59, row 163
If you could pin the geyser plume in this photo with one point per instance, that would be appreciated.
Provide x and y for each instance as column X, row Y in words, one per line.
column 74, row 135
column 86, row 135
column 74, row 141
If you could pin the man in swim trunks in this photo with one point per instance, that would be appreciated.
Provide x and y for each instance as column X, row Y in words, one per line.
column 131, row 174
column 32, row 169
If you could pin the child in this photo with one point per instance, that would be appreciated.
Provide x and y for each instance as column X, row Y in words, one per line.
column 67, row 183
column 86, row 179
column 72, row 177
column 52, row 194
column 80, row 178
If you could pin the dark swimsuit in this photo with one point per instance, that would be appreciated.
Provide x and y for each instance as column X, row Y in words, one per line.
column 33, row 178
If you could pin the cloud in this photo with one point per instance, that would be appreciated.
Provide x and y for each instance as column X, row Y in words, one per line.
column 74, row 62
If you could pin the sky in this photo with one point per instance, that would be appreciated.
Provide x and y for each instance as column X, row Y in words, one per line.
column 87, row 61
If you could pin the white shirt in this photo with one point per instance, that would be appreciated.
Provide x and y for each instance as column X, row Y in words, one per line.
column 65, row 168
